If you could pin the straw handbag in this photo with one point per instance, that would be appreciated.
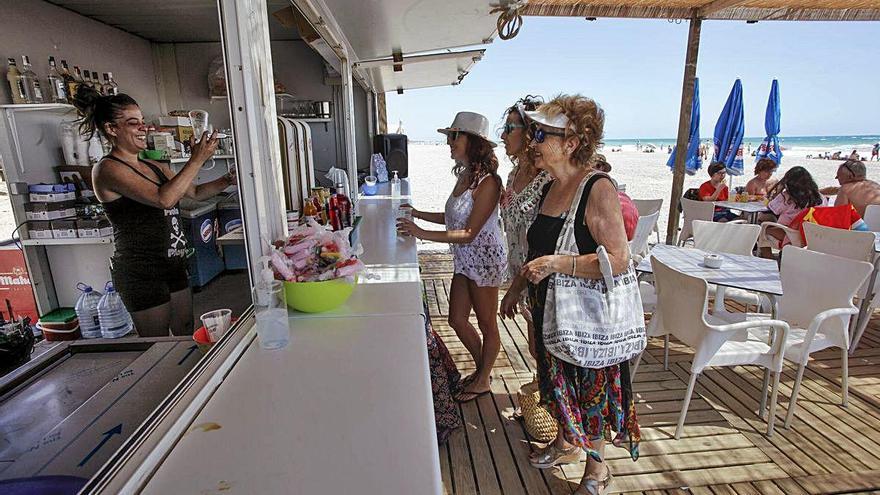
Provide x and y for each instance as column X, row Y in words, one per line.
column 538, row 422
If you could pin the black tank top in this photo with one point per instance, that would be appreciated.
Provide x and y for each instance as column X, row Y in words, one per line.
column 141, row 231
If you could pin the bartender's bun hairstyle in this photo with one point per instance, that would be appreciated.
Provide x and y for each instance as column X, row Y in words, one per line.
column 97, row 110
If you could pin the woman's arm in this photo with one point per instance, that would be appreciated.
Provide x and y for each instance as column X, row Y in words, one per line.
column 512, row 297
column 486, row 197
column 428, row 216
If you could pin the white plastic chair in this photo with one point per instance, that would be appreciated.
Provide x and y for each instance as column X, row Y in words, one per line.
column 766, row 240
column 731, row 238
column 872, row 217
column 694, row 210
column 683, row 301
column 851, row 244
column 638, row 247
column 818, row 290
column 654, row 328
column 647, row 207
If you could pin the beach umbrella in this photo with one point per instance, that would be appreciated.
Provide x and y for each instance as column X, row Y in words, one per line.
column 729, row 132
column 770, row 147
column 692, row 161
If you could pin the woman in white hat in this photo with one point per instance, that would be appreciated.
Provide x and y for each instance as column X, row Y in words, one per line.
column 520, row 201
column 473, row 229
column 587, row 403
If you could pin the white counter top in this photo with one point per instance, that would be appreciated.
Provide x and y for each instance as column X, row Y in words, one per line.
column 346, row 407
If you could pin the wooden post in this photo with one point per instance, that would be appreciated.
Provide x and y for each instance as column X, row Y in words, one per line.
column 684, row 126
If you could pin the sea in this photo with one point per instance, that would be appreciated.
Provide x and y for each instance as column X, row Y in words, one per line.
column 794, row 143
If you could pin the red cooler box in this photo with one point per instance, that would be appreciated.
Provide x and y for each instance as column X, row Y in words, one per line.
column 15, row 283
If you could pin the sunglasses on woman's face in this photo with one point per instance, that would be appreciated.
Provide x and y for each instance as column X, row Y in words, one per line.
column 539, row 134
column 451, row 136
column 510, row 126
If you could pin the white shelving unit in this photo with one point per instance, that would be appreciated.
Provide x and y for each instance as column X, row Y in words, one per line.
column 215, row 157
column 67, row 242
column 24, row 107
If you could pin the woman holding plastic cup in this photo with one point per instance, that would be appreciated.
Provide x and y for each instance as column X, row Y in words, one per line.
column 140, row 197
column 473, row 230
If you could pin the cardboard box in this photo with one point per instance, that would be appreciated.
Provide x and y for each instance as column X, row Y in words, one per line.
column 180, row 133
column 64, row 229
column 40, row 230
column 49, row 211
column 91, row 228
column 53, row 197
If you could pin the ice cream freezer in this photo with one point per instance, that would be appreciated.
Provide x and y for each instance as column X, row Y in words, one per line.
column 64, row 413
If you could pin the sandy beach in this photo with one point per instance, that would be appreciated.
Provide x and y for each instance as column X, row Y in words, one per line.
column 644, row 174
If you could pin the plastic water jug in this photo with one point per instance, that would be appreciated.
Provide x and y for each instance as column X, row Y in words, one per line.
column 114, row 318
column 87, row 312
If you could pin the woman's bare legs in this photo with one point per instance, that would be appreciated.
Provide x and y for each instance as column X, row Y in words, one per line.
column 182, row 312
column 459, row 317
column 153, row 322
column 485, row 304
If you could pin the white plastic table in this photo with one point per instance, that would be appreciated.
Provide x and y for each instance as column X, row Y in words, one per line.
column 752, row 208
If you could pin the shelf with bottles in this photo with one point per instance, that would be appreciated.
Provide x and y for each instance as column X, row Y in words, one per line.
column 38, row 106
column 67, row 242
column 61, row 84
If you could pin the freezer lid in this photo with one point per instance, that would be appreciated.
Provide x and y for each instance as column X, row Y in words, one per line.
column 424, row 71
column 380, row 28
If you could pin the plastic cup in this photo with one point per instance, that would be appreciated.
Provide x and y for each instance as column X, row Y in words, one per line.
column 199, row 120
column 216, row 323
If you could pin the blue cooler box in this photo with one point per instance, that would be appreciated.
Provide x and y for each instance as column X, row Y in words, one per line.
column 199, row 221
column 229, row 218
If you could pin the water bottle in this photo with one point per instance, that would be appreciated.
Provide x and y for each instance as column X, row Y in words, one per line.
column 87, row 312
column 114, row 318
column 395, row 185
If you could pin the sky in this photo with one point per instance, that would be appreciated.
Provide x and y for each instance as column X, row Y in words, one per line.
column 829, row 75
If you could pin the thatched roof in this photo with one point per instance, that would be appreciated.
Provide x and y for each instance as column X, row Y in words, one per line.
column 744, row 10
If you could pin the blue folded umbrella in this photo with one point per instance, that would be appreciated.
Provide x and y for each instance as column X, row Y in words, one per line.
column 729, row 132
column 770, row 146
column 692, row 161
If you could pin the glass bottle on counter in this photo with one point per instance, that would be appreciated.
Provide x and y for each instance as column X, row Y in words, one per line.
column 29, row 80
column 69, row 81
column 57, row 88
column 343, row 205
column 16, row 85
column 110, row 86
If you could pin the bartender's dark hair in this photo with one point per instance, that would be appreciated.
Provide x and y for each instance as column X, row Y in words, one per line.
column 96, row 109
column 481, row 161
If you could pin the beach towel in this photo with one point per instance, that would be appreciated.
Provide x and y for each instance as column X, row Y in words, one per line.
column 840, row 217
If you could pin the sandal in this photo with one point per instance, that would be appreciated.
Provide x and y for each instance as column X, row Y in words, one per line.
column 595, row 487
column 463, row 396
column 551, row 456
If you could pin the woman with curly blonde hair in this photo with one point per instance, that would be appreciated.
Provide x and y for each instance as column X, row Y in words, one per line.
column 587, row 403
column 520, row 199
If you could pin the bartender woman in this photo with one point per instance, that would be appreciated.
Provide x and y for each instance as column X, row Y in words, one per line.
column 140, row 197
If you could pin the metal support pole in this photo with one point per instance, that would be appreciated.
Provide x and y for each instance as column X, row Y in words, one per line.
column 684, row 125
column 348, row 126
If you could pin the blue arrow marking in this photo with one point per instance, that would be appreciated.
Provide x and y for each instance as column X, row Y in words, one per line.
column 116, row 430
column 191, row 350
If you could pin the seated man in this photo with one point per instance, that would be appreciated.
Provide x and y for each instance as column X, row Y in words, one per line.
column 855, row 188
column 715, row 189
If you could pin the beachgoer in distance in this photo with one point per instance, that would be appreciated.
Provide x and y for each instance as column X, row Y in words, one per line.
column 586, row 403
column 875, row 152
column 519, row 203
column 473, row 230
column 762, row 182
column 855, row 188
column 715, row 189
column 794, row 193
column 140, row 197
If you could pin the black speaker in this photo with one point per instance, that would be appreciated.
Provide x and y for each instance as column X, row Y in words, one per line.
column 393, row 148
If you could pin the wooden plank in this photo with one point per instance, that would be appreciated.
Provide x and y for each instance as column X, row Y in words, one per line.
column 445, row 470
column 502, row 457
column 744, row 489
column 684, row 445
column 840, row 482
column 723, row 490
column 700, row 477
column 768, row 488
column 789, row 486
column 460, row 463
column 689, row 461
column 480, row 453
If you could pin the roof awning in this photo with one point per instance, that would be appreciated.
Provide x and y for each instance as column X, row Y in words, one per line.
column 742, row 10
column 379, row 29
column 421, row 71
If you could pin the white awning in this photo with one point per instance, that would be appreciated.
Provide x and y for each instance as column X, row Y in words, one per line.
column 422, row 71
column 377, row 29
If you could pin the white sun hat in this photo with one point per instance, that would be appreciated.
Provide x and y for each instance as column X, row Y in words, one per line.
column 470, row 123
column 559, row 121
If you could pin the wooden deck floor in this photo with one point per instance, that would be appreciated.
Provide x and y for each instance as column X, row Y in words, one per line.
column 829, row 449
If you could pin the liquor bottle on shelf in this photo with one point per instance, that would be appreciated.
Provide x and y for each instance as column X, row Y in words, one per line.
column 110, row 86
column 31, row 84
column 69, row 82
column 57, row 88
column 16, row 85
column 74, row 85
column 87, row 78
column 97, row 83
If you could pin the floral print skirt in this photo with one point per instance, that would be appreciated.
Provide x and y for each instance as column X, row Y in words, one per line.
column 445, row 380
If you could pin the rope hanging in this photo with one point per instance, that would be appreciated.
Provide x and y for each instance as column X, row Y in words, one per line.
column 510, row 21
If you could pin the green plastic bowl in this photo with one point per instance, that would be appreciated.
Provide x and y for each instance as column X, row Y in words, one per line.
column 153, row 154
column 317, row 297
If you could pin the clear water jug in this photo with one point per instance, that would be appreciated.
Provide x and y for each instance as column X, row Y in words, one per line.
column 87, row 312
column 114, row 318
